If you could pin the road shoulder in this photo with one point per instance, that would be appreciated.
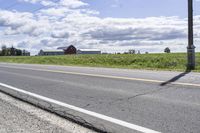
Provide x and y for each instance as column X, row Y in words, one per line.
column 17, row 116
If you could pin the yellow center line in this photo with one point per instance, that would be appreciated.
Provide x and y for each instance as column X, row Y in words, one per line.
column 104, row 76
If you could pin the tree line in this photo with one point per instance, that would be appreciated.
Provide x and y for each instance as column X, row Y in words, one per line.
column 13, row 52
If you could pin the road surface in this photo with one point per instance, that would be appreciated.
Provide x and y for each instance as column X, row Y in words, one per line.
column 19, row 117
column 159, row 100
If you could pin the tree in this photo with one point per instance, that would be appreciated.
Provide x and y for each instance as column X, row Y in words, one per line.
column 12, row 51
column 167, row 50
column 131, row 51
column 3, row 47
column 4, row 50
column 18, row 52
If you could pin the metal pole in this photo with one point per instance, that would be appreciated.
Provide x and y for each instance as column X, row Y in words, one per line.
column 191, row 47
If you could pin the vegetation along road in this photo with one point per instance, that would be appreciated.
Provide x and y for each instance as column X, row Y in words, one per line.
column 170, row 61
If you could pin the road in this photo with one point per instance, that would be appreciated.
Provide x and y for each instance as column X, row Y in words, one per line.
column 159, row 100
column 19, row 117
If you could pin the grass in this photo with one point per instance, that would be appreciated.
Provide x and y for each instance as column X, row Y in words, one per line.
column 173, row 61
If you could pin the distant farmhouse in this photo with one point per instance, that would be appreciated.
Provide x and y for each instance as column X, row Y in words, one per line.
column 89, row 51
column 68, row 51
column 59, row 51
column 51, row 52
column 13, row 52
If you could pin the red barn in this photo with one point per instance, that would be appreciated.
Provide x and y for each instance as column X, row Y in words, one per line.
column 70, row 50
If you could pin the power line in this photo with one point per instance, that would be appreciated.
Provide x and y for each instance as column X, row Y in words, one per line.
column 40, row 8
column 43, row 7
column 17, row 3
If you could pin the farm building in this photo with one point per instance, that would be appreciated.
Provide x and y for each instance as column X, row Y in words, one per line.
column 25, row 53
column 51, row 52
column 88, row 51
column 68, row 50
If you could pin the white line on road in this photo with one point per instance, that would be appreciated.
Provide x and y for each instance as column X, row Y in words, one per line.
column 90, row 113
column 103, row 76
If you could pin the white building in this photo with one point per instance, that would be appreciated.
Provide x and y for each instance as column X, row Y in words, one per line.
column 88, row 51
column 51, row 52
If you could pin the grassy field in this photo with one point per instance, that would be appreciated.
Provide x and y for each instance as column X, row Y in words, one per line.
column 173, row 61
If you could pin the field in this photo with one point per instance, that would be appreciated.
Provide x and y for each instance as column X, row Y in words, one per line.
column 173, row 61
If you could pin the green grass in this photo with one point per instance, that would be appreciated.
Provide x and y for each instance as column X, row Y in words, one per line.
column 173, row 61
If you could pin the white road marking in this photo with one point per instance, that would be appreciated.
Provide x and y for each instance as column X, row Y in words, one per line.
column 104, row 76
column 97, row 115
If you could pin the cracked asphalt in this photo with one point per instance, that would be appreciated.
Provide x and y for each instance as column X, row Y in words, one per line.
column 19, row 117
column 162, row 107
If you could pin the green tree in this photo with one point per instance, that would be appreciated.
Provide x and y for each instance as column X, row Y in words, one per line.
column 167, row 50
column 4, row 50
column 131, row 51
column 18, row 52
column 12, row 51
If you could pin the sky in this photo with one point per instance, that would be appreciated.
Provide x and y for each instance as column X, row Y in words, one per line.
column 109, row 25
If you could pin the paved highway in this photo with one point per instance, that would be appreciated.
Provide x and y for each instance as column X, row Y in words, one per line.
column 162, row 101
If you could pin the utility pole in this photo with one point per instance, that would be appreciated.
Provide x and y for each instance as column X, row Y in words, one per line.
column 191, row 47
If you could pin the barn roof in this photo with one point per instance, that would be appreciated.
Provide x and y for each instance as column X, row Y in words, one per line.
column 53, row 50
column 66, row 47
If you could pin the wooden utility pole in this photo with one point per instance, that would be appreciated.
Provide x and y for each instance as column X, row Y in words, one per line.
column 191, row 47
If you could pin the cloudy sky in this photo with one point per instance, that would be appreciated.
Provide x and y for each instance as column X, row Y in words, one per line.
column 109, row 25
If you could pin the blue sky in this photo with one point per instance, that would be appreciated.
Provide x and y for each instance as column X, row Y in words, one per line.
column 20, row 6
column 122, row 8
column 140, row 8
column 110, row 25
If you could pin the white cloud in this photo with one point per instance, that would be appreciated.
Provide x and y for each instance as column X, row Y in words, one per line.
column 72, row 3
column 60, row 34
column 22, row 23
column 72, row 22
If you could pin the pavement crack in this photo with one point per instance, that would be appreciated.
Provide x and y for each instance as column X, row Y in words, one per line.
column 86, row 106
column 79, row 120
column 137, row 95
column 145, row 93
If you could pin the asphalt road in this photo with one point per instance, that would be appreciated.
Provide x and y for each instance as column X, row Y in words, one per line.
column 163, row 101
column 19, row 117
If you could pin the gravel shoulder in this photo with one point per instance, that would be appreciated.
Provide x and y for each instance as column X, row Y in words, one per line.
column 19, row 117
